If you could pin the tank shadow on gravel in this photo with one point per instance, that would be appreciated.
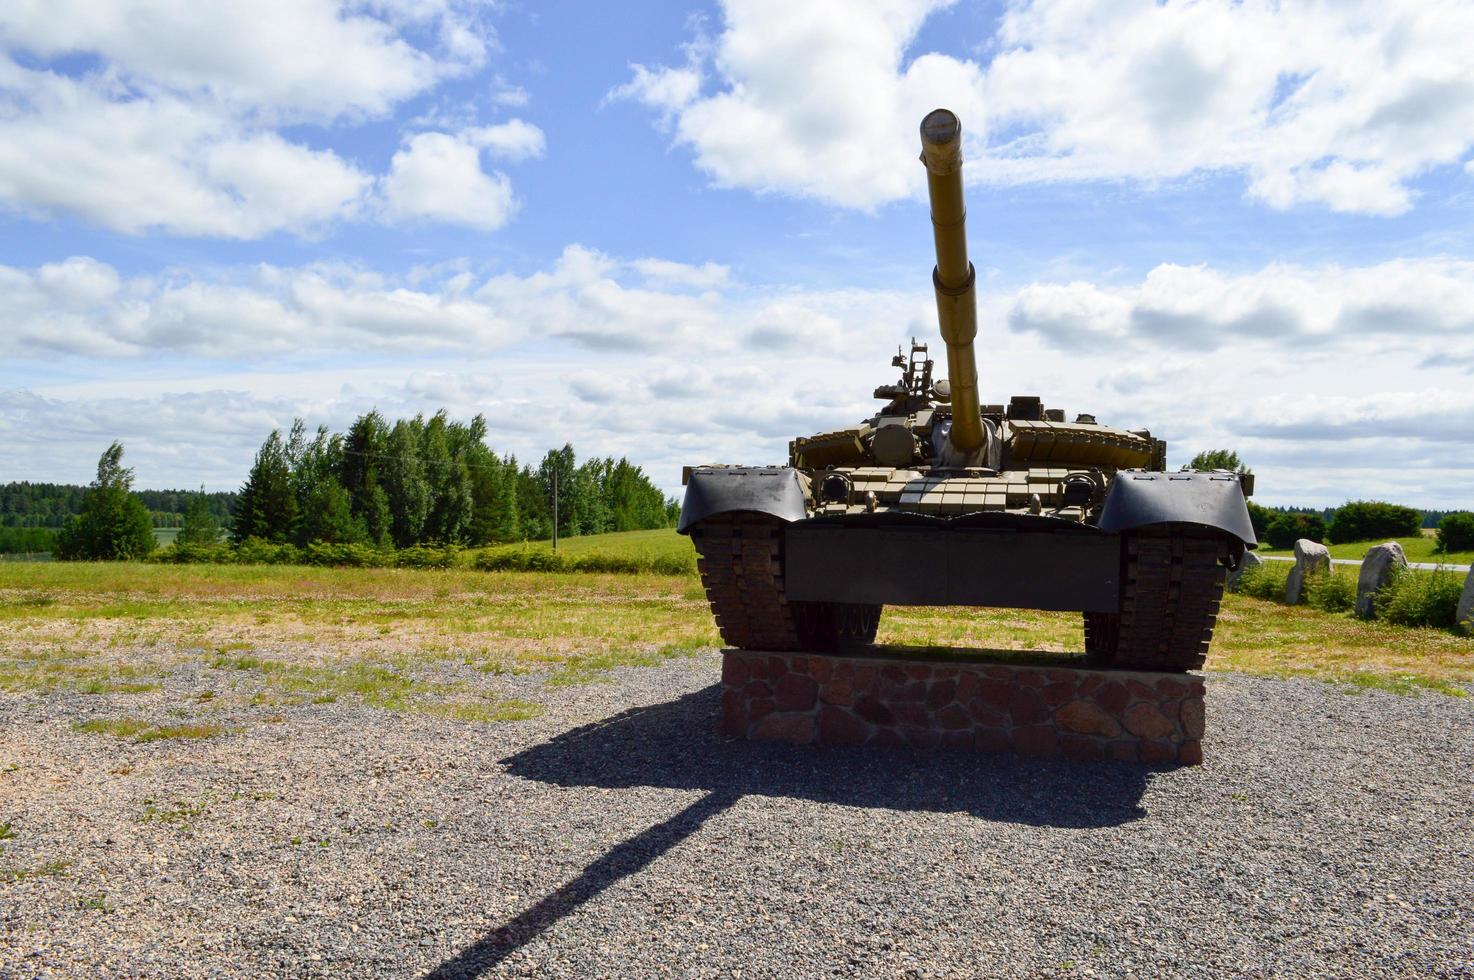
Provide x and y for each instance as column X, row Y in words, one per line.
column 675, row 745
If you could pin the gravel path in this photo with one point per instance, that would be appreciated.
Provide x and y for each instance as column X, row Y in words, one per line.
column 616, row 835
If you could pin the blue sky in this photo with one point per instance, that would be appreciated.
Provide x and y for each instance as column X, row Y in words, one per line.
column 686, row 233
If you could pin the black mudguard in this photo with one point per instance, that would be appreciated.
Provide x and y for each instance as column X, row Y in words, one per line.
column 772, row 490
column 1139, row 499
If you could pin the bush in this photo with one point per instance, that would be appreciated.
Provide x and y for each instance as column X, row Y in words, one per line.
column 1285, row 529
column 196, row 554
column 346, row 555
column 1456, row 533
column 1367, row 520
column 254, row 551
column 1266, row 581
column 422, row 556
column 1331, row 593
column 1414, row 598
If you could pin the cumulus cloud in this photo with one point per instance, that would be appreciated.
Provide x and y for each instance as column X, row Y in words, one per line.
column 439, row 177
column 85, row 307
column 1338, row 105
column 676, row 363
column 1393, row 304
column 176, row 125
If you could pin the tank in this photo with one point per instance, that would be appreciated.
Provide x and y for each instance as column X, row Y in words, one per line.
column 941, row 499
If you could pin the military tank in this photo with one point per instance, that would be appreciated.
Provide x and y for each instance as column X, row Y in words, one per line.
column 941, row 499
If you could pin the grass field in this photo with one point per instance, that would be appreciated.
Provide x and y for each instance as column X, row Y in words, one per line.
column 399, row 639
column 1419, row 549
column 660, row 549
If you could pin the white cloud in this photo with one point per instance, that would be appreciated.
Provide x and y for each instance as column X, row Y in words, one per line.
column 176, row 127
column 1317, row 375
column 297, row 58
column 1341, row 105
column 438, row 177
column 515, row 139
column 1425, row 305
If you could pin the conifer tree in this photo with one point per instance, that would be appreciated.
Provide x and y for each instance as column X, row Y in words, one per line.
column 404, row 483
column 267, row 506
column 200, row 526
column 113, row 525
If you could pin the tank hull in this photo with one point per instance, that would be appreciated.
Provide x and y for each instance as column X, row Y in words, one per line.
column 953, row 564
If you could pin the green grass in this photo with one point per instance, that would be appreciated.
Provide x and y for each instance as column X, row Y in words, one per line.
column 302, row 635
column 1417, row 549
column 658, row 551
column 49, row 869
column 142, row 732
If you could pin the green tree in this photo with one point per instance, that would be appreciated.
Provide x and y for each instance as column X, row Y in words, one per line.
column 324, row 506
column 556, row 473
column 1456, row 532
column 404, row 483
column 1218, row 459
column 1367, row 520
column 443, row 447
column 267, row 505
column 364, row 450
column 1285, row 528
column 200, row 526
column 113, row 524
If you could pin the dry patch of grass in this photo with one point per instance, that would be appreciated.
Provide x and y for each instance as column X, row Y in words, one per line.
column 140, row 731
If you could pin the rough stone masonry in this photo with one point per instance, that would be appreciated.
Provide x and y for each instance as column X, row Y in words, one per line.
column 1032, row 710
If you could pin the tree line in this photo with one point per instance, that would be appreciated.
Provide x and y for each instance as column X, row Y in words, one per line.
column 48, row 505
column 432, row 481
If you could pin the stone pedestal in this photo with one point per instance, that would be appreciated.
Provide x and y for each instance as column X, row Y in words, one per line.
column 1130, row 716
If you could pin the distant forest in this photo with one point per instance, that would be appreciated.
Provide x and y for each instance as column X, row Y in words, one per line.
column 50, row 504
column 432, row 481
column 409, row 482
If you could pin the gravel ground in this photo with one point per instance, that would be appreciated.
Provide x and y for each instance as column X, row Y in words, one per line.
column 616, row 835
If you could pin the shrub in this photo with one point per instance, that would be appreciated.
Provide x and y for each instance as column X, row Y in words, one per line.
column 1414, row 598
column 1456, row 532
column 346, row 555
column 1285, row 529
column 1331, row 593
column 1266, row 581
column 196, row 554
column 1365, row 520
column 423, row 556
column 254, row 551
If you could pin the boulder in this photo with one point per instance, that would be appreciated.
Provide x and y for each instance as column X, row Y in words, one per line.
column 1251, row 560
column 1465, row 616
column 1377, row 569
column 1311, row 558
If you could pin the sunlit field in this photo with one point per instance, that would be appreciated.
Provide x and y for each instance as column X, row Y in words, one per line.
column 401, row 638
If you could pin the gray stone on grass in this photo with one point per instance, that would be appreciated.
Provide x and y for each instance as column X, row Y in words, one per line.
column 1377, row 569
column 1311, row 558
column 1249, row 561
column 1465, row 615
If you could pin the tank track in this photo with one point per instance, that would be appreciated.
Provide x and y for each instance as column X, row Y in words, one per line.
column 1171, row 585
column 740, row 558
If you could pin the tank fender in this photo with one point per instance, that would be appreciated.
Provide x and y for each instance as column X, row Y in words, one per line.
column 1138, row 499
column 773, row 490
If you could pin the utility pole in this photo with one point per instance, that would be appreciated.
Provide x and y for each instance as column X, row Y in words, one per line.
column 555, row 508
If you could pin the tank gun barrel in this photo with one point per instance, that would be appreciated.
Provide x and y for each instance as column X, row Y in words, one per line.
column 953, row 277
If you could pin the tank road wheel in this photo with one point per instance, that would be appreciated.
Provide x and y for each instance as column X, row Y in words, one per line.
column 740, row 557
column 1171, row 585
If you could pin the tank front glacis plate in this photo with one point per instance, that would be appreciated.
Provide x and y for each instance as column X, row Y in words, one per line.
column 917, row 491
